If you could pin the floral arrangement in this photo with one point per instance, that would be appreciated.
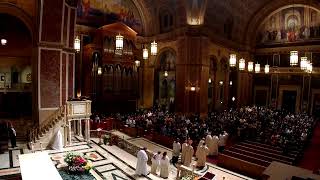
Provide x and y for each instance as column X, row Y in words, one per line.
column 77, row 163
column 188, row 177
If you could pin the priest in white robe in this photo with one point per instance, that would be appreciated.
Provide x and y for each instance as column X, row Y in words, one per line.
column 57, row 143
column 215, row 145
column 209, row 143
column 200, row 144
column 188, row 155
column 142, row 159
column 176, row 151
column 223, row 140
column 155, row 162
column 201, row 155
column 164, row 166
column 183, row 151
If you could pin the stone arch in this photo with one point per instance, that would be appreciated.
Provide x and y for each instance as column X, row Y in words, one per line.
column 163, row 50
column 144, row 13
column 15, row 11
column 267, row 10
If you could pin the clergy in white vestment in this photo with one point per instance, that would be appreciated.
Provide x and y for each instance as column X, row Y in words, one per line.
column 164, row 166
column 223, row 140
column 176, row 147
column 209, row 143
column 155, row 162
column 142, row 159
column 188, row 155
column 57, row 143
column 201, row 155
column 183, row 151
column 200, row 144
column 215, row 145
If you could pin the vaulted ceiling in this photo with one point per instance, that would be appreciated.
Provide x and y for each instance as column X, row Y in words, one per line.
column 244, row 15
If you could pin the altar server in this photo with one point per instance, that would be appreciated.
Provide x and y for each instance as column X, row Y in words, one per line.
column 183, row 151
column 188, row 155
column 155, row 162
column 215, row 146
column 176, row 151
column 202, row 155
column 164, row 166
column 200, row 144
column 142, row 159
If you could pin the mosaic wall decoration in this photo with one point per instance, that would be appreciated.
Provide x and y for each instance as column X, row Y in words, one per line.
column 101, row 12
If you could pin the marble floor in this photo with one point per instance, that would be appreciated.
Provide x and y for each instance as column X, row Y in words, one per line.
column 111, row 162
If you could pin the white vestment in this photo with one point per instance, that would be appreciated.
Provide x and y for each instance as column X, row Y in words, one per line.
column 183, row 152
column 164, row 167
column 57, row 143
column 142, row 159
column 200, row 144
column 155, row 162
column 176, row 149
column 215, row 145
column 202, row 155
column 209, row 143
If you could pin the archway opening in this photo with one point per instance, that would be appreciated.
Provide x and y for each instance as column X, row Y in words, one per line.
column 15, row 72
column 165, row 81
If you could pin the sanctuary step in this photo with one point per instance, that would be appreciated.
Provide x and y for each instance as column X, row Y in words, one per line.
column 292, row 149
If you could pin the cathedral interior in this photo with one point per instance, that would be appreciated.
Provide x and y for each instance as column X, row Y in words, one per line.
column 150, row 71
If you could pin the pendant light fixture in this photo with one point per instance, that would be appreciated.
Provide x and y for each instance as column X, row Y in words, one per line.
column 242, row 64
column 233, row 60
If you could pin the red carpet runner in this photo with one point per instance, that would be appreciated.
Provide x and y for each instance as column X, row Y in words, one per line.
column 311, row 158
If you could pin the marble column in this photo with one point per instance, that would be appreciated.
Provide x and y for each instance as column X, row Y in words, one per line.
column 87, row 130
column 69, row 133
column 80, row 128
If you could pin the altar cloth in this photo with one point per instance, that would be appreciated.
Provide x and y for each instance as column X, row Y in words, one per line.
column 38, row 166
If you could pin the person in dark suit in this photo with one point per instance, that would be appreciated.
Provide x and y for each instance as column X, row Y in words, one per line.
column 12, row 135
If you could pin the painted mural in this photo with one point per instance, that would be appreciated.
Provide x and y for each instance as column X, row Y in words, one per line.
column 101, row 12
column 293, row 24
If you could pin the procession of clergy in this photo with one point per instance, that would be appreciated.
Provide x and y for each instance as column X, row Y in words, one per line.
column 210, row 145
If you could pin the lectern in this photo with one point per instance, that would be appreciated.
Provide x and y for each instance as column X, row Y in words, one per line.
column 78, row 110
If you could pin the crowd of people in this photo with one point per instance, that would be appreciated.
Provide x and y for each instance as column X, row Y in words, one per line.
column 274, row 127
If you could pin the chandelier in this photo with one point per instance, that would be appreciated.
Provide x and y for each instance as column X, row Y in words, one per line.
column 257, row 68
column 76, row 44
column 119, row 42
column 233, row 60
column 166, row 74
column 154, row 48
column 3, row 42
column 303, row 63
column 250, row 66
column 242, row 64
column 294, row 58
column 266, row 68
column 137, row 63
column 99, row 70
column 309, row 67
column 145, row 53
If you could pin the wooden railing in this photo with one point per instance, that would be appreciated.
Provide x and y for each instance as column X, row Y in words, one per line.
column 55, row 117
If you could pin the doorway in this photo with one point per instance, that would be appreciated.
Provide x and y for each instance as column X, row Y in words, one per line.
column 289, row 100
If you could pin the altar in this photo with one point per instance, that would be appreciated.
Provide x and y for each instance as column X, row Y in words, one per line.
column 38, row 166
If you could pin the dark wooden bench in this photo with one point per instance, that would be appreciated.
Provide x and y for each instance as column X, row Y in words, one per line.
column 268, row 149
column 257, row 155
column 293, row 150
column 247, row 158
column 241, row 166
column 265, row 153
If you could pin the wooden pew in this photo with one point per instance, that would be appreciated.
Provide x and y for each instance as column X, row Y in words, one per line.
column 265, row 153
column 257, row 155
column 241, row 166
column 248, row 158
column 294, row 150
column 267, row 149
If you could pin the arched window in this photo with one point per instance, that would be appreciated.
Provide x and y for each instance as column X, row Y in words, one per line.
column 166, row 21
